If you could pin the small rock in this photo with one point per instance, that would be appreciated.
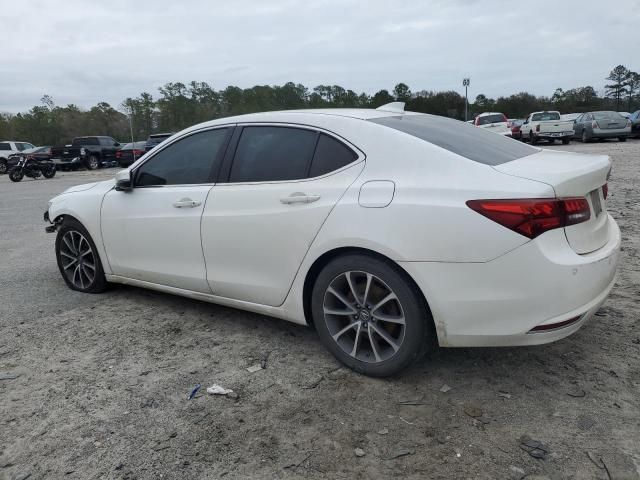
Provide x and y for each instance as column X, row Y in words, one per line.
column 473, row 411
column 445, row 388
column 504, row 394
column 9, row 376
column 384, row 431
column 403, row 452
column 585, row 422
column 516, row 470
column 233, row 395
column 254, row 368
column 576, row 392
column 359, row 452
column 533, row 447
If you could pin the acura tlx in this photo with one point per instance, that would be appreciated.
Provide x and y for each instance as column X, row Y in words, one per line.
column 387, row 231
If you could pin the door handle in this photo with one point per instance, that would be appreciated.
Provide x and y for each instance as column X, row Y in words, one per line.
column 186, row 203
column 299, row 197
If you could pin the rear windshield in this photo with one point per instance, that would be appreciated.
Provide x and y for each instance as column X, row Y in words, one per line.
column 545, row 116
column 495, row 118
column 458, row 137
column 607, row 116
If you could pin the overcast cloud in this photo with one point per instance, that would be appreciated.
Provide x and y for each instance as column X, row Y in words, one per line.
column 84, row 51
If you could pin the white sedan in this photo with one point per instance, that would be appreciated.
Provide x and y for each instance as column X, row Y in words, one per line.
column 387, row 231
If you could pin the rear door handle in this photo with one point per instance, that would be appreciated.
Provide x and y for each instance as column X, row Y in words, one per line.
column 186, row 203
column 299, row 197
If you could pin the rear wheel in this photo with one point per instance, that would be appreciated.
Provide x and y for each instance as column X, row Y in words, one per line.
column 622, row 139
column 3, row 166
column 16, row 174
column 585, row 138
column 565, row 141
column 551, row 141
column 370, row 315
column 532, row 138
column 49, row 172
column 78, row 259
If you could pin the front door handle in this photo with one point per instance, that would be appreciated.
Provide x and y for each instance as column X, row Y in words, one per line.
column 299, row 197
column 186, row 203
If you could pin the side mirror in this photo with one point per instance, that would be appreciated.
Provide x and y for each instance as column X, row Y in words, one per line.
column 124, row 182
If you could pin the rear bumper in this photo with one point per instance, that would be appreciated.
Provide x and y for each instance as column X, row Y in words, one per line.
column 611, row 133
column 498, row 303
column 554, row 135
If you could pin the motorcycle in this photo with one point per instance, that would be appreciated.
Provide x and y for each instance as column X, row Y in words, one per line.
column 32, row 168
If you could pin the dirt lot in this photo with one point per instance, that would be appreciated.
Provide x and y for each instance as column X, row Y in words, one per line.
column 102, row 381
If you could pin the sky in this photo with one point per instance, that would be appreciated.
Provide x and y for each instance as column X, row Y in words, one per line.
column 87, row 51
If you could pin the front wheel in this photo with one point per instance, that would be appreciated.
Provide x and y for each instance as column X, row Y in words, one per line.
column 622, row 139
column 16, row 174
column 78, row 259
column 565, row 141
column 370, row 315
column 551, row 141
column 533, row 138
column 93, row 163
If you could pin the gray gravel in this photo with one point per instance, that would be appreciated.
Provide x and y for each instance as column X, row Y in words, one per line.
column 96, row 386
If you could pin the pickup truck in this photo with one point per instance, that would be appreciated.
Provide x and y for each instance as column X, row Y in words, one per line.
column 546, row 126
column 8, row 148
column 87, row 152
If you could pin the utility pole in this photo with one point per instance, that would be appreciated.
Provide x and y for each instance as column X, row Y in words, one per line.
column 465, row 83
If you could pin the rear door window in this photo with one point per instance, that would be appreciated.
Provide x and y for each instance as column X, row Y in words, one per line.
column 270, row 153
column 189, row 161
column 458, row 137
column 330, row 155
column 5, row 146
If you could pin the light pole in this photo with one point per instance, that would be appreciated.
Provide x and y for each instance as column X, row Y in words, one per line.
column 465, row 83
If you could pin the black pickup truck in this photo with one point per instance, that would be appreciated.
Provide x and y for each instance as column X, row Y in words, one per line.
column 86, row 152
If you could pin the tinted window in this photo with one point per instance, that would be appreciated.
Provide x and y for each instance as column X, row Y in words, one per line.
column 106, row 141
column 330, row 155
column 188, row 161
column 5, row 146
column 272, row 153
column 85, row 141
column 545, row 116
column 494, row 118
column 474, row 143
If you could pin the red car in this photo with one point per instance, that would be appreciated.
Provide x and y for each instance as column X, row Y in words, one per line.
column 514, row 124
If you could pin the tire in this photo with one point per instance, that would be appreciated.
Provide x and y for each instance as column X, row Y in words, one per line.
column 93, row 162
column 566, row 141
column 407, row 323
column 49, row 172
column 551, row 141
column 622, row 139
column 3, row 166
column 78, row 259
column 532, row 138
column 585, row 139
column 16, row 174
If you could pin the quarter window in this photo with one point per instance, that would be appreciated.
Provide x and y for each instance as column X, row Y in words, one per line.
column 191, row 160
column 272, row 153
column 330, row 155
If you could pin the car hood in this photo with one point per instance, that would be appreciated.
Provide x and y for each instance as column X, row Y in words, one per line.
column 88, row 186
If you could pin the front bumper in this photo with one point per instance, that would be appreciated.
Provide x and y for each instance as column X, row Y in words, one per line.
column 498, row 303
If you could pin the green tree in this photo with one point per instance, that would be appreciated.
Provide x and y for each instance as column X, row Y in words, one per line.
column 618, row 86
column 402, row 92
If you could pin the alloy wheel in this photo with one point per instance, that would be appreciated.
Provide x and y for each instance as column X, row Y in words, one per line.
column 364, row 316
column 78, row 259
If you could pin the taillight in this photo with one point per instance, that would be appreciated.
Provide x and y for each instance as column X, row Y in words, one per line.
column 533, row 216
column 118, row 154
column 138, row 153
column 605, row 190
column 594, row 124
column 537, row 127
column 628, row 123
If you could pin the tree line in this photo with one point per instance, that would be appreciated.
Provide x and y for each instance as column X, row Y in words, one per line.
column 180, row 105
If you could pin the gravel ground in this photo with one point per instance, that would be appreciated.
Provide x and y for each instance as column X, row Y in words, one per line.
column 102, row 381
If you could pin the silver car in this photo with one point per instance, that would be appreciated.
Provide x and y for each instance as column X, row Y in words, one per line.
column 591, row 125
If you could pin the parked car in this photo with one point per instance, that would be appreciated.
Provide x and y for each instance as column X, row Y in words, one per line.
column 35, row 153
column 86, row 152
column 625, row 114
column 494, row 122
column 635, row 123
column 569, row 116
column 514, row 124
column 8, row 148
column 156, row 139
column 466, row 239
column 546, row 126
column 601, row 125
column 130, row 152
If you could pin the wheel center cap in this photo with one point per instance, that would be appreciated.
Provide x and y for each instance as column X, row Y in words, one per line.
column 365, row 315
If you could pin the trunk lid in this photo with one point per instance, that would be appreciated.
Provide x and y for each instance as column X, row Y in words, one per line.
column 555, row 126
column 571, row 175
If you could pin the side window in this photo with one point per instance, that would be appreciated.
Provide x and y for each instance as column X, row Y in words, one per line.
column 272, row 153
column 330, row 155
column 188, row 161
column 106, row 141
column 5, row 146
column 19, row 146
